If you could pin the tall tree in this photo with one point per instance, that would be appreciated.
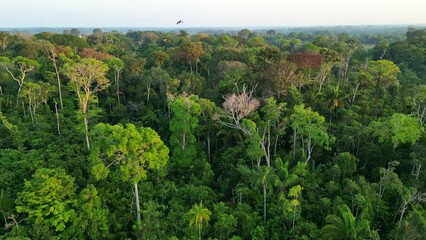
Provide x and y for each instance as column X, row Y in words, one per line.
column 347, row 49
column 87, row 78
column 184, row 121
column 271, row 126
column 53, row 55
column 133, row 151
column 117, row 67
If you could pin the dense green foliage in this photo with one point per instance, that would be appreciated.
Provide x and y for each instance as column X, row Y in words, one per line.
column 251, row 135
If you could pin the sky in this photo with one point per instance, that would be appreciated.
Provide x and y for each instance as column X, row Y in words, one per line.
column 208, row 13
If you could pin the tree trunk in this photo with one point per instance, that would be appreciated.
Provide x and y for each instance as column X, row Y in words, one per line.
column 264, row 203
column 183, row 141
column 57, row 117
column 276, row 145
column 148, row 87
column 269, row 145
column 86, row 128
column 138, row 208
column 59, row 83
column 309, row 150
column 320, row 85
column 294, row 143
column 208, row 146
column 419, row 167
column 404, row 207
column 420, row 114
column 117, row 83
column 31, row 115
column 17, row 96
column 265, row 147
column 25, row 111
column 199, row 230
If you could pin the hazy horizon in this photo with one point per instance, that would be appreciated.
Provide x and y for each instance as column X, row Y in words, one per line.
column 208, row 13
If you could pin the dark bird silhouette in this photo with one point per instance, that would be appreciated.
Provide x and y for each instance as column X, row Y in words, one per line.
column 179, row 22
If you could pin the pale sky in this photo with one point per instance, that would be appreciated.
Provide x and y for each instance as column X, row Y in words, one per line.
column 208, row 13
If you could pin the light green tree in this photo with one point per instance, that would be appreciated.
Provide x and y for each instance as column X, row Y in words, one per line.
column 271, row 127
column 294, row 193
column 132, row 151
column 184, row 121
column 381, row 74
column 310, row 127
column 399, row 128
column 48, row 198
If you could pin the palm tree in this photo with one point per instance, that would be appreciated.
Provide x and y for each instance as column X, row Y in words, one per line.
column 198, row 215
column 286, row 178
column 265, row 179
column 346, row 226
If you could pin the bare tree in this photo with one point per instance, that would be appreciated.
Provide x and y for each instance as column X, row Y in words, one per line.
column 235, row 108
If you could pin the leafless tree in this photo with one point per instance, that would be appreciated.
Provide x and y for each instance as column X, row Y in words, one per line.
column 236, row 107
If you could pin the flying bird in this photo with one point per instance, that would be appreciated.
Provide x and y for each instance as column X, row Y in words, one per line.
column 179, row 22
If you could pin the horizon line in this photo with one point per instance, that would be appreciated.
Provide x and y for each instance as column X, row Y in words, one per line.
column 243, row 26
